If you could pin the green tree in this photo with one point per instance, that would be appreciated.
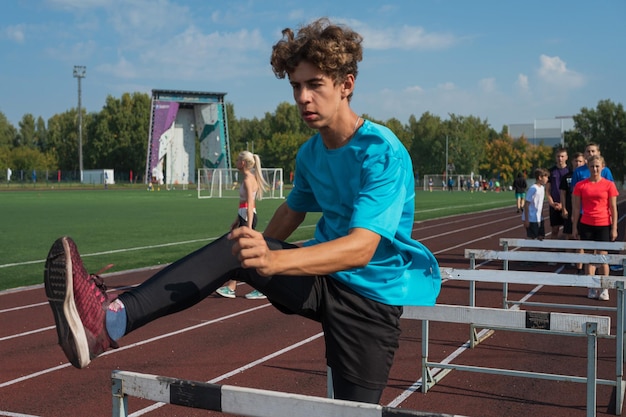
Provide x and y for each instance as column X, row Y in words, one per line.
column 467, row 137
column 428, row 144
column 117, row 134
column 281, row 151
column 27, row 159
column 41, row 134
column 8, row 132
column 501, row 159
column 402, row 132
column 63, row 139
column 278, row 136
column 505, row 157
column 606, row 126
column 26, row 136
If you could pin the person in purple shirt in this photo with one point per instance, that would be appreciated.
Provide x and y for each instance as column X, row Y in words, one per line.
column 553, row 195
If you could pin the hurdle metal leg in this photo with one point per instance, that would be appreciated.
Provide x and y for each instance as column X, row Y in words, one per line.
column 120, row 400
column 592, row 367
column 619, row 346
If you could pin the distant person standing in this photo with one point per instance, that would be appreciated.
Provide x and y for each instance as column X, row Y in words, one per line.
column 553, row 194
column 250, row 190
column 577, row 160
column 9, row 173
column 519, row 187
column 594, row 215
column 583, row 172
column 531, row 216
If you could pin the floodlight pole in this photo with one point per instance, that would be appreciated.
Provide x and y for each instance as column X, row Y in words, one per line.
column 79, row 73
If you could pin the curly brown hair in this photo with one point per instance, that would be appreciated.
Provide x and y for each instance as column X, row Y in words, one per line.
column 333, row 49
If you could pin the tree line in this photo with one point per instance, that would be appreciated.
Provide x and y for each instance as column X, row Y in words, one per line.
column 117, row 137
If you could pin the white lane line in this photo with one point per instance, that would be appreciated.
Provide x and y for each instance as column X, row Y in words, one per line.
column 236, row 371
column 143, row 342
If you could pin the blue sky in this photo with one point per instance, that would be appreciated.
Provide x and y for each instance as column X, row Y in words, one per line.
column 502, row 61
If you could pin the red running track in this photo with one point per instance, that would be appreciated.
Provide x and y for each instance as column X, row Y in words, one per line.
column 248, row 343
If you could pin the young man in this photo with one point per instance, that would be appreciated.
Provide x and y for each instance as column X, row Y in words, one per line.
column 553, row 195
column 582, row 173
column 533, row 220
column 577, row 160
column 354, row 276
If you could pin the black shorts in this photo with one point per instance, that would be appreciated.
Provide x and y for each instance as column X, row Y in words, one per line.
column 556, row 217
column 595, row 233
column 567, row 225
column 535, row 230
column 244, row 222
column 361, row 335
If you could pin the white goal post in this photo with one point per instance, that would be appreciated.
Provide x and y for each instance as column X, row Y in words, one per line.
column 224, row 182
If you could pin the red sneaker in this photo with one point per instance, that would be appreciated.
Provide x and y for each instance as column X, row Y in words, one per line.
column 78, row 301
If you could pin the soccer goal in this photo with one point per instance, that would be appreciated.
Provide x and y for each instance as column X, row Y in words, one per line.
column 224, row 182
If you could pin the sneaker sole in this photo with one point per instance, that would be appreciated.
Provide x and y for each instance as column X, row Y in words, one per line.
column 256, row 297
column 226, row 295
column 58, row 282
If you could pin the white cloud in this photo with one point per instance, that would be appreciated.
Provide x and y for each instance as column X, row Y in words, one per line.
column 447, row 86
column 193, row 54
column 414, row 89
column 522, row 83
column 488, row 85
column 15, row 33
column 122, row 69
column 77, row 4
column 402, row 37
column 554, row 72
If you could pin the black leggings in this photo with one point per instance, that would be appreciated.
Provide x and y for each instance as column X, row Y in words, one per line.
column 188, row 281
column 346, row 390
column 194, row 277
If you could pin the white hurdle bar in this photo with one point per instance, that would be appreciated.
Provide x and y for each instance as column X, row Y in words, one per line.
column 516, row 320
column 546, row 278
column 240, row 400
column 572, row 244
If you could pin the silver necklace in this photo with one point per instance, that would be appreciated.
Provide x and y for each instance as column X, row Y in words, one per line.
column 358, row 119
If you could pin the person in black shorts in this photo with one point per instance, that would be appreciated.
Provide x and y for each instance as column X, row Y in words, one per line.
column 519, row 187
column 354, row 276
column 532, row 216
column 594, row 215
column 577, row 160
column 553, row 194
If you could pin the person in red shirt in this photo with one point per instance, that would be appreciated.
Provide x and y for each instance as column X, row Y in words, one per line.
column 594, row 214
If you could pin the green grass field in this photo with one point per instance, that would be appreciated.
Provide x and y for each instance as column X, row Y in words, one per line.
column 133, row 228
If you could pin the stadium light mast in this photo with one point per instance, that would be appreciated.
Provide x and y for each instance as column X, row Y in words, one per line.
column 79, row 73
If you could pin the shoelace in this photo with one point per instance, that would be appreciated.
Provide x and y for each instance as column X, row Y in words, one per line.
column 98, row 281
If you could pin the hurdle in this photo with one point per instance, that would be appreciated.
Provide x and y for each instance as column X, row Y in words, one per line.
column 507, row 277
column 239, row 400
column 515, row 320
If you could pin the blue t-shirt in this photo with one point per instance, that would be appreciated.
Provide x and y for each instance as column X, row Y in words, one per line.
column 368, row 183
column 582, row 173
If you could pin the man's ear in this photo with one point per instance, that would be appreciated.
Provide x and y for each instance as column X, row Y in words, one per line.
column 347, row 86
